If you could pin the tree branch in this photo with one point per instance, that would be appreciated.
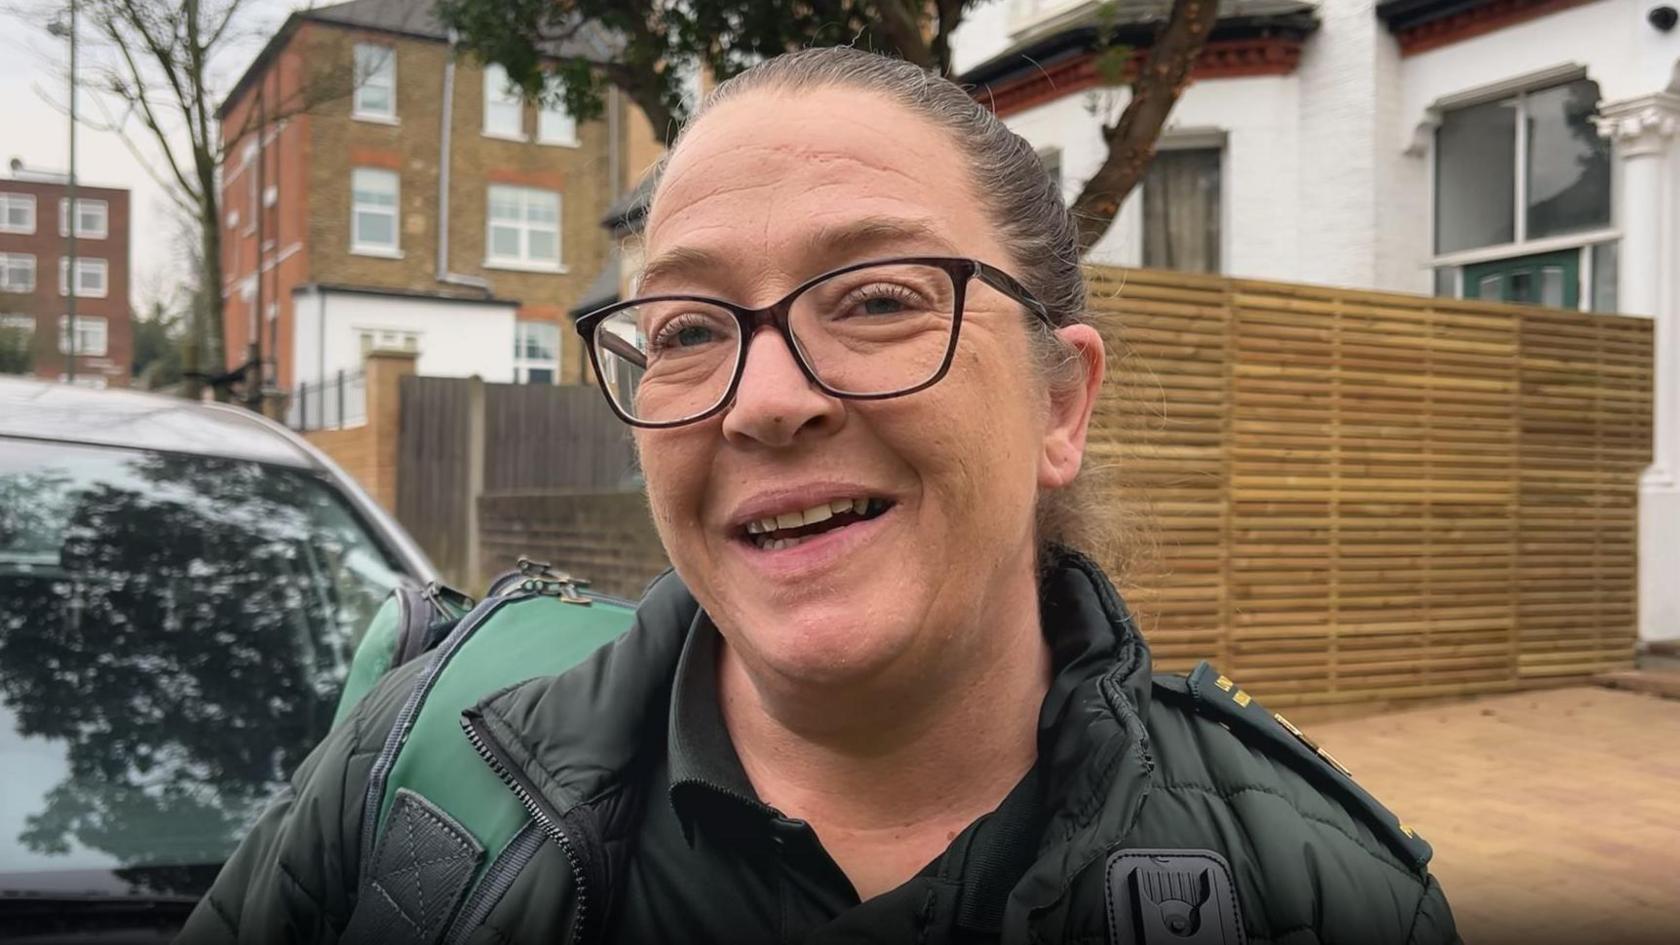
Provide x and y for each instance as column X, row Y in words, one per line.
column 1160, row 80
column 899, row 23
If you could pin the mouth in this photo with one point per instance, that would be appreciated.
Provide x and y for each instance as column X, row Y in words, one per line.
column 793, row 528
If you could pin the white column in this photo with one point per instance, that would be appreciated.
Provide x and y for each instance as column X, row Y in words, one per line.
column 1643, row 130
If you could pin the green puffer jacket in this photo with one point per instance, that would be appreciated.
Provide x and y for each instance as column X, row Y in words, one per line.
column 1134, row 763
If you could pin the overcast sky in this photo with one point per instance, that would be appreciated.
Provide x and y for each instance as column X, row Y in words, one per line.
column 34, row 128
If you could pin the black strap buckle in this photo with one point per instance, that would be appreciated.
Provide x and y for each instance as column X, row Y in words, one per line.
column 1172, row 897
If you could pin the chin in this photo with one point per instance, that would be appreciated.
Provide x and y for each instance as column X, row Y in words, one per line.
column 821, row 645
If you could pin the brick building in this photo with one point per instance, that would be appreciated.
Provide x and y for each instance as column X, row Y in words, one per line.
column 35, row 282
column 398, row 196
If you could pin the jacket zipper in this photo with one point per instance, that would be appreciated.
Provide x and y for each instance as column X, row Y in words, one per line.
column 546, row 818
column 498, row 878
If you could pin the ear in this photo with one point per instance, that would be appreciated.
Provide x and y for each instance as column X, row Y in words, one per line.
column 1070, row 410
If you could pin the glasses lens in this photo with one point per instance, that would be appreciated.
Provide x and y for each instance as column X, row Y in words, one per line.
column 877, row 330
column 667, row 360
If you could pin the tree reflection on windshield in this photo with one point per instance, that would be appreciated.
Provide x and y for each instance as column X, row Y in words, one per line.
column 179, row 626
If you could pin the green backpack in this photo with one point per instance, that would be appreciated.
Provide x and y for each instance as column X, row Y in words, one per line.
column 476, row 833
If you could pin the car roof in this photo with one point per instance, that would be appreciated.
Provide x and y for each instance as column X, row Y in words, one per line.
column 69, row 414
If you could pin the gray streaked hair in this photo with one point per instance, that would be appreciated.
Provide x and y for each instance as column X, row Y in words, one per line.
column 1021, row 199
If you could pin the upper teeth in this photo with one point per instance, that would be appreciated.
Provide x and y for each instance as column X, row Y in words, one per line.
column 810, row 516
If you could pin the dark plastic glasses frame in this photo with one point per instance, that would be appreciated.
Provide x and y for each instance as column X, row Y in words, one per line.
column 751, row 319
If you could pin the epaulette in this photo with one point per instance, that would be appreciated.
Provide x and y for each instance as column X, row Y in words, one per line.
column 1218, row 698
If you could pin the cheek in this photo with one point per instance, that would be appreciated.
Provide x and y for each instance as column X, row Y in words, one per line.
column 674, row 465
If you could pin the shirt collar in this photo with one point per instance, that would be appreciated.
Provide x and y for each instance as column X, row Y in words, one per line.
column 707, row 780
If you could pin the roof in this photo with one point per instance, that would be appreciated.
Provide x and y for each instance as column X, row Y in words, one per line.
column 1405, row 14
column 415, row 19
column 135, row 420
column 603, row 289
column 626, row 213
column 1133, row 23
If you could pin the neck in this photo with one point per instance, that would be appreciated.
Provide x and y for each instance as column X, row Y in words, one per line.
column 914, row 761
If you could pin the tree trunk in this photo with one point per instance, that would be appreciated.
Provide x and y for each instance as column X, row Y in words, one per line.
column 1131, row 141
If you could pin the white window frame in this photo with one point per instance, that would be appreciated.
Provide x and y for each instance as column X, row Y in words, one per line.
column 522, row 365
column 384, row 75
column 497, row 96
column 85, row 266
column 83, row 205
column 12, row 201
column 1582, row 241
column 21, row 261
column 89, row 328
column 18, row 322
column 524, row 261
column 555, row 125
column 387, row 339
column 357, row 246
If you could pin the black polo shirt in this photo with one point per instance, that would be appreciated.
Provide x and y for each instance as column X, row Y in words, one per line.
column 714, row 863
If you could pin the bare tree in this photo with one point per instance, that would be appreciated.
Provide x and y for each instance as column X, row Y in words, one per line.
column 154, row 82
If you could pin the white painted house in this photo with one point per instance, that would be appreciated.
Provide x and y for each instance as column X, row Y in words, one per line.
column 1509, row 149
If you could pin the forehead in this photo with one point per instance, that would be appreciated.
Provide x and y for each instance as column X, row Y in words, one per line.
column 795, row 183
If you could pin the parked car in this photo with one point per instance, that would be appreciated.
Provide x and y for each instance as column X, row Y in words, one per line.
column 181, row 587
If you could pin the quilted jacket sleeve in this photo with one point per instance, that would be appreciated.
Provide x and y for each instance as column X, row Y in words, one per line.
column 293, row 879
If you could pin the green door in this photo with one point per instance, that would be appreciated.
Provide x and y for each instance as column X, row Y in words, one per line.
column 1552, row 279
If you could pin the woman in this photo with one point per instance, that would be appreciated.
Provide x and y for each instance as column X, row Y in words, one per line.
column 861, row 386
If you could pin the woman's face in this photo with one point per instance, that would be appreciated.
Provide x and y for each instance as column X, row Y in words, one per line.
column 766, row 191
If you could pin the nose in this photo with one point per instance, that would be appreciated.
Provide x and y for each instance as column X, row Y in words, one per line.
column 775, row 402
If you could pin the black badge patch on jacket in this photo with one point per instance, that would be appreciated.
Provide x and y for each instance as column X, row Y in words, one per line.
column 1172, row 897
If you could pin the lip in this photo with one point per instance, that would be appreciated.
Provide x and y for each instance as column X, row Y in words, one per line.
column 796, row 499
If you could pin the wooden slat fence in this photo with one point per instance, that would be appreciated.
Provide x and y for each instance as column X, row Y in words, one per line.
column 529, row 438
column 1364, row 496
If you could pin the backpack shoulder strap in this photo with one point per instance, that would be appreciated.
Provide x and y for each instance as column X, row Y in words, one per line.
column 429, row 788
column 410, row 622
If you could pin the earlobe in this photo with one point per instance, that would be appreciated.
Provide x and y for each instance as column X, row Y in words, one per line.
column 1071, row 405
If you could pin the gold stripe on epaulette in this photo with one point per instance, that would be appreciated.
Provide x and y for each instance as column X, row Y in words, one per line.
column 1334, row 763
column 1242, row 698
column 1408, row 831
column 1290, row 726
column 1224, row 683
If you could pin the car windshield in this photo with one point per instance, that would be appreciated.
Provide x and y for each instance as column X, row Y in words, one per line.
column 174, row 632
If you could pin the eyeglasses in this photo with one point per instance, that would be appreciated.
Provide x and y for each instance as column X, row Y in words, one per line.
column 869, row 331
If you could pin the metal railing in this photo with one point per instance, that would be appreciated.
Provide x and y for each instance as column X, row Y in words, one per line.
column 334, row 403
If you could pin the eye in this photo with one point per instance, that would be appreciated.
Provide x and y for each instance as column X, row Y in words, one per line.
column 878, row 299
column 689, row 330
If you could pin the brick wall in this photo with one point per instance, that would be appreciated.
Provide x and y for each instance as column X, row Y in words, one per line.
column 369, row 452
column 606, row 537
column 47, row 304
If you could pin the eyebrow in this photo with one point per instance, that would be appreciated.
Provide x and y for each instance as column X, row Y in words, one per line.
column 842, row 243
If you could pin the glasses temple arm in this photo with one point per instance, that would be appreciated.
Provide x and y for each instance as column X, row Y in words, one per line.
column 622, row 348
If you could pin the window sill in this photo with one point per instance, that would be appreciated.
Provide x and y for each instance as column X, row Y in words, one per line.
column 560, row 142
column 377, row 252
column 85, row 295
column 1550, row 244
column 376, row 119
column 17, row 231
column 500, row 136
column 516, row 265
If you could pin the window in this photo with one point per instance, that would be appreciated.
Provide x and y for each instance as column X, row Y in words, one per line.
column 536, row 353
column 387, row 339
column 524, row 228
column 91, row 276
column 92, row 218
column 90, row 335
column 1522, row 168
column 504, row 109
column 17, row 213
column 373, row 211
column 223, row 594
column 376, row 83
column 23, row 323
column 1181, row 210
column 17, row 272
column 555, row 125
